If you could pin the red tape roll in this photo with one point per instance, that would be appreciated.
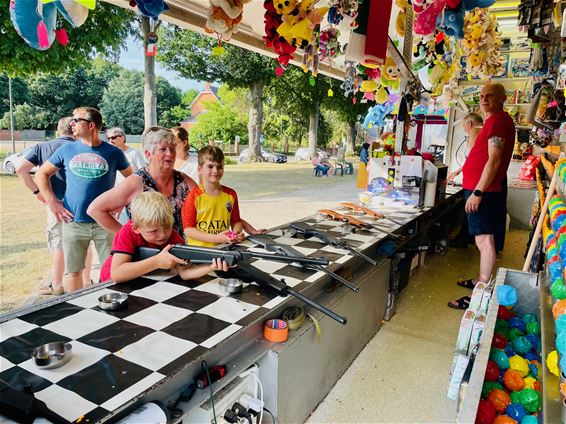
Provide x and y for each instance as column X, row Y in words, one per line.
column 275, row 330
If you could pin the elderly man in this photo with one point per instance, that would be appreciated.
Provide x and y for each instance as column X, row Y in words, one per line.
column 91, row 167
column 117, row 137
column 484, row 172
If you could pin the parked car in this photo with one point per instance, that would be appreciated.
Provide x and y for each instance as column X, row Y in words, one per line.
column 269, row 156
column 10, row 162
column 303, row 154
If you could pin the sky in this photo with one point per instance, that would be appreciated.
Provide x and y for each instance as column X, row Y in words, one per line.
column 132, row 58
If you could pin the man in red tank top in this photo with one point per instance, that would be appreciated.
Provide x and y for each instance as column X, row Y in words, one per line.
column 484, row 172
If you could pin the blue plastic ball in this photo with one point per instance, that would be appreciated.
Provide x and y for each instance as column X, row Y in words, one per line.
column 517, row 322
column 529, row 419
column 530, row 356
column 509, row 350
column 516, row 411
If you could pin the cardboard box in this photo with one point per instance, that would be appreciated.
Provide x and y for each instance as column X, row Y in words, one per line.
column 477, row 330
column 459, row 366
column 465, row 332
column 477, row 296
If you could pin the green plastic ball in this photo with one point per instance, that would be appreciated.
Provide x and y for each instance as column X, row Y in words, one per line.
column 530, row 400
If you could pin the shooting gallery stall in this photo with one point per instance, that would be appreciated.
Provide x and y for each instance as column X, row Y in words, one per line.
column 163, row 339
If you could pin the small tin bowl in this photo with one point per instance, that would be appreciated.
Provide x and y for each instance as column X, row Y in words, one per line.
column 52, row 355
column 230, row 285
column 112, row 301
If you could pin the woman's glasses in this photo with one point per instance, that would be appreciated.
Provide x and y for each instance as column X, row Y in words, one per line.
column 113, row 137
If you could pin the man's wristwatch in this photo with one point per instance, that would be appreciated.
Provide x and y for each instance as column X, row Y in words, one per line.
column 478, row 193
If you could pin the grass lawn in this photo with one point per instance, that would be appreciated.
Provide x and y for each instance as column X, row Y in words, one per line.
column 25, row 261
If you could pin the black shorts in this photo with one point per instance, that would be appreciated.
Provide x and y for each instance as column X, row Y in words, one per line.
column 491, row 213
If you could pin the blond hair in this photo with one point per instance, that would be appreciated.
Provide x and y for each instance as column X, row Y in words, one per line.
column 213, row 153
column 151, row 208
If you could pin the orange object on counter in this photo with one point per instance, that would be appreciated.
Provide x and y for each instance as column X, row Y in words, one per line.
column 275, row 330
column 559, row 308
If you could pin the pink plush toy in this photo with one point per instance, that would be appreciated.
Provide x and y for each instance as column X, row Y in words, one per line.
column 425, row 22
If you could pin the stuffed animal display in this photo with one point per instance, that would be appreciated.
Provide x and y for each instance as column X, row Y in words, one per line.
column 272, row 39
column 401, row 20
column 224, row 16
column 299, row 20
column 481, row 44
column 376, row 115
column 390, row 74
column 340, row 9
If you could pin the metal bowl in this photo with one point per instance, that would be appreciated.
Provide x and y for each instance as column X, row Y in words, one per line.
column 230, row 285
column 52, row 355
column 112, row 301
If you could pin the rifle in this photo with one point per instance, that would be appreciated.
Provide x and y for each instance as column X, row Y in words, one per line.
column 307, row 231
column 250, row 274
column 205, row 255
column 283, row 249
column 245, row 271
column 368, row 212
column 23, row 407
column 336, row 216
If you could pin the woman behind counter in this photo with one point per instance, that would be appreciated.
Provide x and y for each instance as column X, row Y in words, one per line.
column 185, row 162
column 159, row 175
column 362, row 180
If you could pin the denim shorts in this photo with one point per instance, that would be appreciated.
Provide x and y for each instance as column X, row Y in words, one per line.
column 491, row 212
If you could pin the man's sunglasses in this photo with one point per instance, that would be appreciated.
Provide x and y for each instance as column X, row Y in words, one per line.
column 76, row 120
column 113, row 137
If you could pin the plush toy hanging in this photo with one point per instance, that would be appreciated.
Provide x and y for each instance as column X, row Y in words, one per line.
column 151, row 8
column 73, row 11
column 451, row 21
column 426, row 16
column 329, row 47
column 390, row 74
column 34, row 22
column 299, row 20
column 273, row 40
column 352, row 80
column 340, row 9
column 401, row 20
column 376, row 115
column 224, row 17
column 481, row 45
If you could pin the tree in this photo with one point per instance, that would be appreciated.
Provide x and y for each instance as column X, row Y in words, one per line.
column 26, row 117
column 123, row 106
column 349, row 112
column 191, row 55
column 20, row 93
column 103, row 33
column 220, row 123
column 295, row 94
column 179, row 113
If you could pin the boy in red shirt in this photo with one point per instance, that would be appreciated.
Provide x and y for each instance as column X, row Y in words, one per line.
column 151, row 226
column 211, row 214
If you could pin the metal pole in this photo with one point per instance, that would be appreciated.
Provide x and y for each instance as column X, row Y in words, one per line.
column 11, row 115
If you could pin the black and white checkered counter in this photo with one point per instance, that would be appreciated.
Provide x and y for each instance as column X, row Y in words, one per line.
column 119, row 356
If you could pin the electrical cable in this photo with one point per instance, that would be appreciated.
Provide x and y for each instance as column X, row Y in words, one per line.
column 273, row 420
column 261, row 396
column 204, row 367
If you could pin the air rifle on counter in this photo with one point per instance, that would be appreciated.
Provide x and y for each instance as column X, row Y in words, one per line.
column 245, row 271
column 336, row 216
column 283, row 249
column 367, row 211
column 205, row 255
column 306, row 231
column 250, row 274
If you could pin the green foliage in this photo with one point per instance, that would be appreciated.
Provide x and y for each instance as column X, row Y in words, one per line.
column 20, row 93
column 347, row 110
column 103, row 33
column 221, row 122
column 26, row 117
column 181, row 112
column 168, row 97
column 190, row 54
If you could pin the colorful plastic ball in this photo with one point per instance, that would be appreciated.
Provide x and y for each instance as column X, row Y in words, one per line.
column 530, row 318
column 530, row 356
column 504, row 419
column 500, row 358
column 506, row 295
column 514, row 333
column 552, row 362
column 559, row 308
column 516, row 411
column 509, row 350
column 530, row 382
column 562, row 363
column 491, row 371
column 534, row 339
column 501, row 324
column 500, row 399
column 530, row 400
column 505, row 313
column 499, row 341
column 561, row 343
column 488, row 386
column 529, row 419
column 558, row 289
column 519, row 364
column 486, row 412
column 513, row 380
column 517, row 322
column 522, row 345
column 561, row 323
column 514, row 397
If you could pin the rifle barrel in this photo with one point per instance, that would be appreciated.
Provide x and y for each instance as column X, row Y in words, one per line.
column 361, row 255
column 285, row 258
column 338, row 278
column 342, row 320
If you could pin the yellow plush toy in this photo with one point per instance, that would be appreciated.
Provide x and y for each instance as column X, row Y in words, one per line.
column 401, row 21
column 390, row 74
column 299, row 21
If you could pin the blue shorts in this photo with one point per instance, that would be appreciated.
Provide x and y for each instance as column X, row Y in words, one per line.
column 491, row 212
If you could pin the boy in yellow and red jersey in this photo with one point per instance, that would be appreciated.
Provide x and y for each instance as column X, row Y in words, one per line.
column 211, row 214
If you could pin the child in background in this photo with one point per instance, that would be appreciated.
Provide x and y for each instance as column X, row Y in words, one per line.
column 211, row 214
column 151, row 226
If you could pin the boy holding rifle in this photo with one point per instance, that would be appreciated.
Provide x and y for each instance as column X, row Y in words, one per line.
column 151, row 226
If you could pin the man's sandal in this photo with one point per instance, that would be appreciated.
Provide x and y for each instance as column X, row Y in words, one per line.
column 467, row 284
column 51, row 291
column 462, row 303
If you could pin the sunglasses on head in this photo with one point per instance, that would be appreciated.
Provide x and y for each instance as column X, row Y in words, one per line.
column 76, row 120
